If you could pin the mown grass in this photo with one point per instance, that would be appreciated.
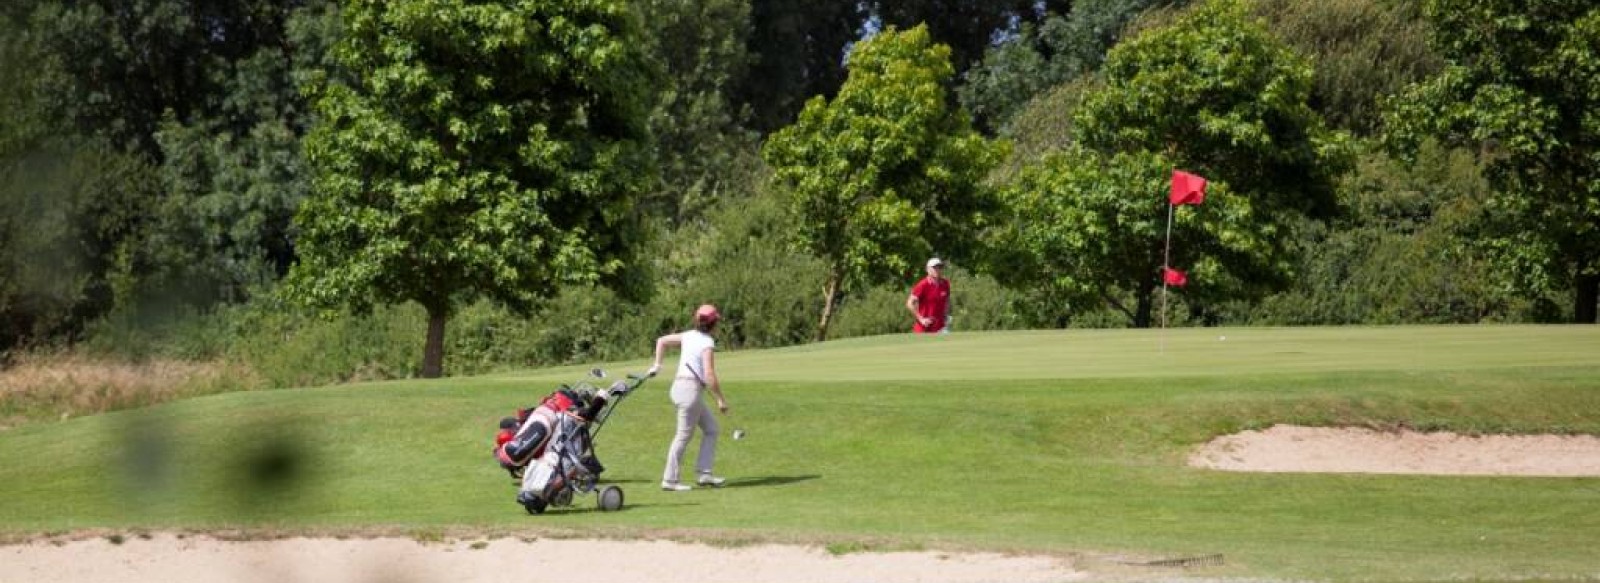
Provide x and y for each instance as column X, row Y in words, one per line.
column 1063, row 442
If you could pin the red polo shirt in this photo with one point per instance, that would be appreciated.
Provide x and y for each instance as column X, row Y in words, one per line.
column 933, row 301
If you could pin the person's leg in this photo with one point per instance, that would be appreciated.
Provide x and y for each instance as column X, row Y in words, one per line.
column 686, row 396
column 709, row 431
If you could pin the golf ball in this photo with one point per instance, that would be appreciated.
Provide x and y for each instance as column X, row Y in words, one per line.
column 1222, row 338
column 738, row 434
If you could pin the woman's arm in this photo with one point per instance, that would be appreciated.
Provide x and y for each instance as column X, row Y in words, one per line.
column 662, row 344
column 708, row 360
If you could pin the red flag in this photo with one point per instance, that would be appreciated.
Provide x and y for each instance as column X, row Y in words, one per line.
column 1187, row 188
column 1174, row 277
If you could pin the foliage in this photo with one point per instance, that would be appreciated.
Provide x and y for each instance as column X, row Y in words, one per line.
column 72, row 208
column 119, row 67
column 1364, row 50
column 744, row 263
column 1043, row 126
column 233, row 178
column 1404, row 254
column 968, row 28
column 886, row 173
column 702, row 146
column 176, row 188
column 1086, row 225
column 489, row 151
column 1520, row 85
column 799, row 48
column 977, row 303
column 1067, row 44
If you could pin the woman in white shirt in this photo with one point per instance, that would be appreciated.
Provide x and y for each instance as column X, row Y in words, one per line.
column 697, row 372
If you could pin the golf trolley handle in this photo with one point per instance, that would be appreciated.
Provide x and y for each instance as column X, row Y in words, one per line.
column 632, row 383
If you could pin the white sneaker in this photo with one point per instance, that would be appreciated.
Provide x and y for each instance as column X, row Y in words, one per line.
column 676, row 487
column 710, row 480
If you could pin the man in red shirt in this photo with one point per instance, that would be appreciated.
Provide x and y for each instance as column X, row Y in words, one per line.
column 930, row 300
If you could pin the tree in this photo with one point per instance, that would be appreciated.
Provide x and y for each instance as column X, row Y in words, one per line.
column 235, row 174
column 486, row 150
column 1062, row 46
column 69, row 205
column 1521, row 85
column 128, row 64
column 968, row 28
column 154, row 141
column 703, row 148
column 1212, row 93
column 886, row 172
column 799, row 52
column 1365, row 50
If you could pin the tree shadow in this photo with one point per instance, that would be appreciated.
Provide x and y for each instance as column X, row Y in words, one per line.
column 768, row 481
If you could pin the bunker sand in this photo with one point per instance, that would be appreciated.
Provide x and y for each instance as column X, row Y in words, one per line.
column 166, row 558
column 1289, row 448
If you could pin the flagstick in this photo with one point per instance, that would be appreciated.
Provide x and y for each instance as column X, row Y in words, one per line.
column 1166, row 263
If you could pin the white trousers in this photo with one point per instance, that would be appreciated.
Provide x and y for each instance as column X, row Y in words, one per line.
column 692, row 412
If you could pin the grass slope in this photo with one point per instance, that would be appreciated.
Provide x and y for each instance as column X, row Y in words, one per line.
column 1038, row 441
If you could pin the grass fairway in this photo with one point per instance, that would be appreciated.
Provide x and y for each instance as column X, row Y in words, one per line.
column 1036, row 441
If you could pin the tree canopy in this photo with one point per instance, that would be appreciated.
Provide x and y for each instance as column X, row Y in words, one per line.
column 1213, row 93
column 1521, row 85
column 479, row 150
column 887, row 172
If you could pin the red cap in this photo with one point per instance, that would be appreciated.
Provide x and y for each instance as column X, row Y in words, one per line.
column 706, row 314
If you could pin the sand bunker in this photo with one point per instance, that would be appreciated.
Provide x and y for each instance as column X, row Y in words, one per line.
column 169, row 559
column 1288, row 448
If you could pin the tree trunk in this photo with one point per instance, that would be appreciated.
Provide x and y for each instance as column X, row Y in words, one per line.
column 1587, row 294
column 830, row 299
column 433, row 352
column 1147, row 302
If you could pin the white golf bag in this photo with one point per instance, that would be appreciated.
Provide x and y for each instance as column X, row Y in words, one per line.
column 567, row 466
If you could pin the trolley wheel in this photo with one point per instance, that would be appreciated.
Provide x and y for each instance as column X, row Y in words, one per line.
column 532, row 503
column 610, row 498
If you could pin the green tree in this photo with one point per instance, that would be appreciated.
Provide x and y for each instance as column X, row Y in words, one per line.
column 1063, row 46
column 234, row 176
column 69, row 205
column 1364, row 50
column 126, row 65
column 1212, row 93
column 799, row 49
column 112, row 136
column 968, row 28
column 1521, row 85
column 886, row 172
column 703, row 149
column 485, row 150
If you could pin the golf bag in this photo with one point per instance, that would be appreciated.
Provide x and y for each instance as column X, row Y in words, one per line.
column 568, row 466
column 549, row 449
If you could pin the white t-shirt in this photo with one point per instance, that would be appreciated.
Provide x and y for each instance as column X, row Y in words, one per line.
column 695, row 344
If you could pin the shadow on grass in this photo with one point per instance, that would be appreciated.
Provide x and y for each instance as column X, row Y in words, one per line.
column 592, row 508
column 768, row 481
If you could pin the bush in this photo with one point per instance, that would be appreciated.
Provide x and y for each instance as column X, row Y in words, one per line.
column 977, row 302
column 1405, row 253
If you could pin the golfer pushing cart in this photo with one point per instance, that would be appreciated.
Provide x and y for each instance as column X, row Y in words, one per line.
column 550, row 448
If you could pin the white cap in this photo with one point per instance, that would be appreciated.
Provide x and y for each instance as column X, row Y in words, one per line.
column 936, row 262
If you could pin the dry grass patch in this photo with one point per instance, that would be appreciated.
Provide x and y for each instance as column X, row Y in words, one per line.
column 35, row 387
